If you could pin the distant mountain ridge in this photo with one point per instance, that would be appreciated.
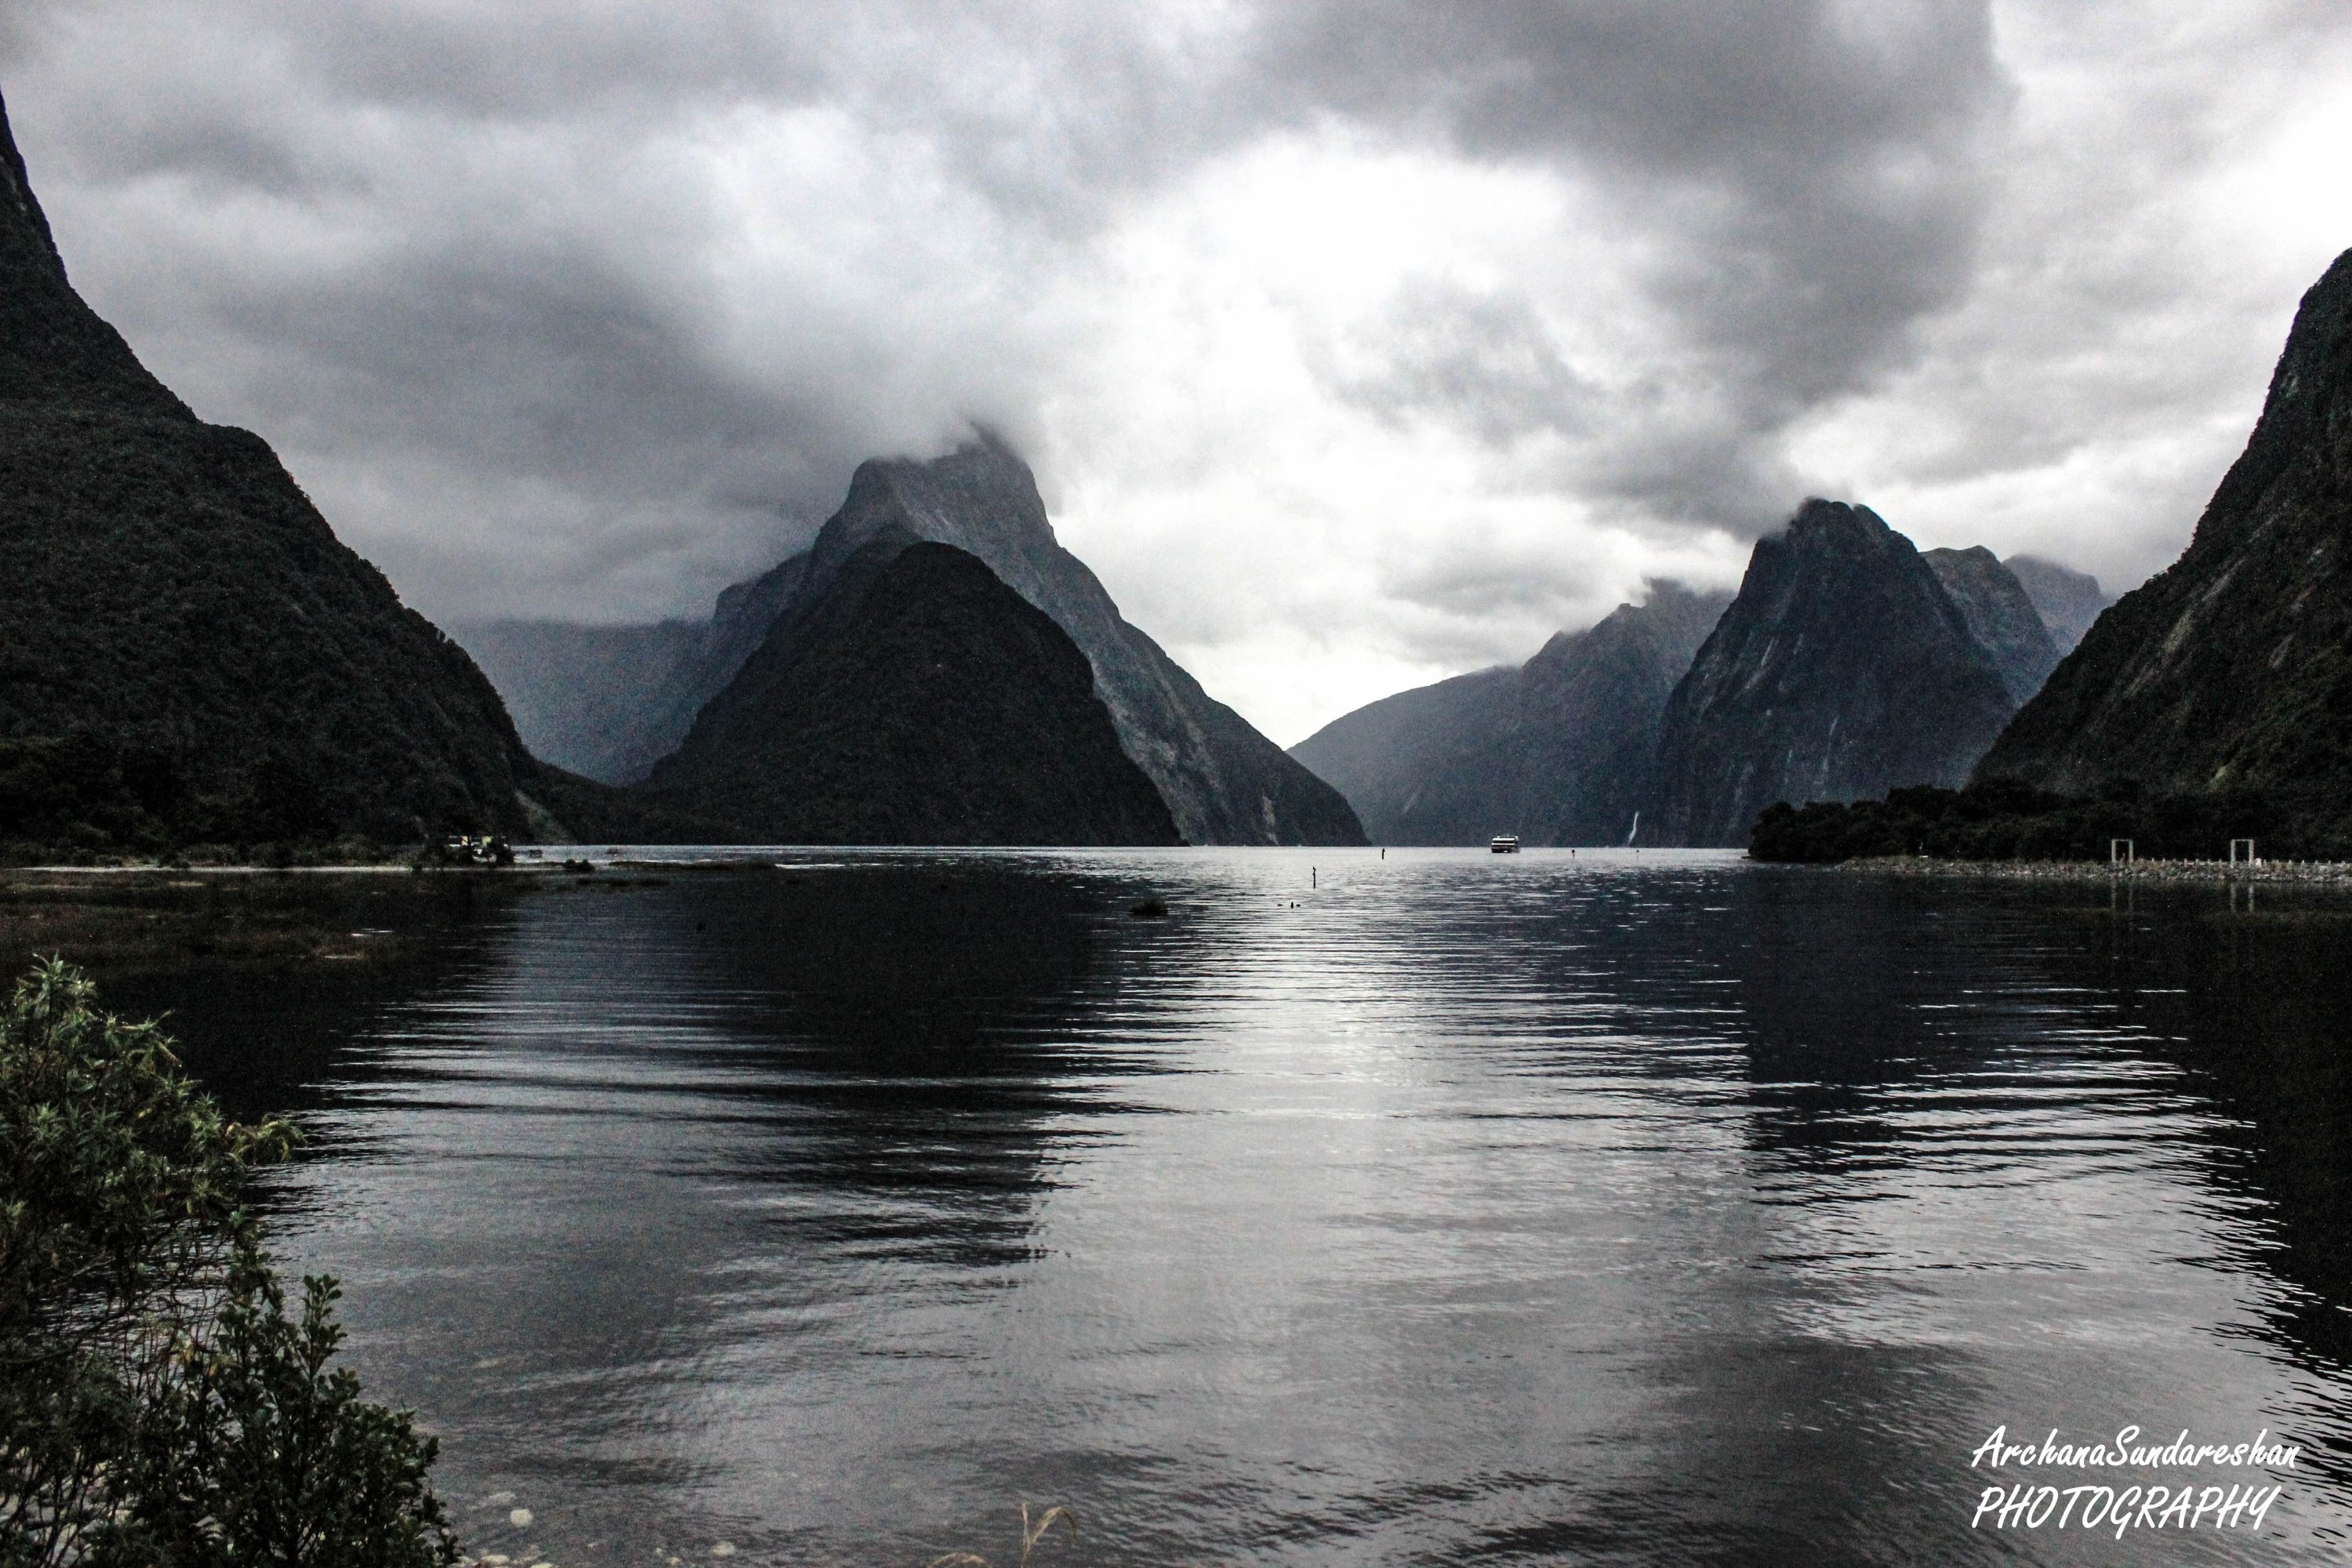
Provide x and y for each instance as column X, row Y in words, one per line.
column 585, row 697
column 1559, row 751
column 187, row 653
column 2067, row 601
column 2232, row 670
column 2000, row 614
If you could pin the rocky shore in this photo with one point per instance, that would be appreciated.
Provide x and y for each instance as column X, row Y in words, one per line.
column 2302, row 873
column 112, row 920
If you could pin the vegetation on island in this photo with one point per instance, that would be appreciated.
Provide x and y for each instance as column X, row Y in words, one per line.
column 163, row 1402
column 2001, row 819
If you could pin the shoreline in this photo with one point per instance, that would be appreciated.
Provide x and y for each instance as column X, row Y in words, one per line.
column 2142, row 873
column 118, row 920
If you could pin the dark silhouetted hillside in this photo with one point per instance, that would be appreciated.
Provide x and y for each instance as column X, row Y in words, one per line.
column 916, row 699
column 2231, row 671
column 186, row 651
column 1842, row 669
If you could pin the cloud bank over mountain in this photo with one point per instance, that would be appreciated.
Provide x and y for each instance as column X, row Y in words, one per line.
column 1354, row 343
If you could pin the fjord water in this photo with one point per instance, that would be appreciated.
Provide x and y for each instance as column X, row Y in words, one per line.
column 1454, row 1207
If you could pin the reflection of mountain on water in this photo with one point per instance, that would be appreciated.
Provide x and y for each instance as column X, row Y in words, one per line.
column 650, row 1141
column 2253, row 1004
column 287, row 1039
column 1483, row 1208
column 1863, row 1001
column 921, row 1037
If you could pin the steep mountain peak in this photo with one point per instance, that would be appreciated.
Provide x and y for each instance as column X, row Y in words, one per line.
column 980, row 497
column 1842, row 668
column 2231, row 669
column 1225, row 783
column 54, row 349
column 918, row 700
column 2310, row 384
column 1839, row 528
column 25, row 238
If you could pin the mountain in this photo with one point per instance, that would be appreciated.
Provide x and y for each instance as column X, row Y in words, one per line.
column 579, row 694
column 2001, row 616
column 609, row 702
column 1842, row 670
column 1432, row 765
column 1224, row 783
column 187, row 653
column 2232, row 670
column 2067, row 601
column 1559, row 751
column 915, row 700
column 1594, row 707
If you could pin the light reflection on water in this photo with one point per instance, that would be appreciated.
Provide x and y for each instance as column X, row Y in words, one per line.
column 1458, row 1207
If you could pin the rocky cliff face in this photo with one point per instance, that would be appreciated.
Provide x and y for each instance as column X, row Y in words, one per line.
column 1559, row 751
column 914, row 699
column 1842, row 670
column 2000, row 615
column 2232, row 668
column 2067, row 601
column 186, row 650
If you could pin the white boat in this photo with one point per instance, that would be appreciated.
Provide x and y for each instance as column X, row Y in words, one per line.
column 1503, row 844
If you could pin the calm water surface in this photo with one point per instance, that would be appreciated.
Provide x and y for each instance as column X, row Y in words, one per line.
column 1455, row 1208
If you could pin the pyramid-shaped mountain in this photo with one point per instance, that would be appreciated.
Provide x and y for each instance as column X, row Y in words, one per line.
column 915, row 700
column 2232, row 670
column 1223, row 781
column 1559, row 751
column 1842, row 669
column 187, row 653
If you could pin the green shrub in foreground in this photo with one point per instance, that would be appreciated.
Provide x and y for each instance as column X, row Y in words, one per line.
column 159, row 1403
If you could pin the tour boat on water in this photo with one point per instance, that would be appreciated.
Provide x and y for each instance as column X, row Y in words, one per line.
column 1503, row 844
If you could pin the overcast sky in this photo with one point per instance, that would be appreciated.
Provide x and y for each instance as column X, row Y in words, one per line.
column 1355, row 344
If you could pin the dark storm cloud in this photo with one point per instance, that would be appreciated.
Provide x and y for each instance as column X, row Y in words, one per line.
column 475, row 247
column 466, row 252
column 1807, row 177
column 1485, row 361
column 1811, row 179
